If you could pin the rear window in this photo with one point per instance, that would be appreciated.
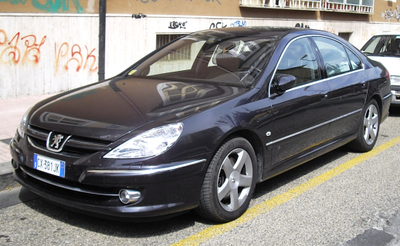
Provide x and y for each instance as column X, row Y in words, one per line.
column 385, row 45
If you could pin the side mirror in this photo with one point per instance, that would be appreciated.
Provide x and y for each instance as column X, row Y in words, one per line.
column 284, row 82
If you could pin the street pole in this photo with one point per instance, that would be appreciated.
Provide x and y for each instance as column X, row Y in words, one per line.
column 102, row 38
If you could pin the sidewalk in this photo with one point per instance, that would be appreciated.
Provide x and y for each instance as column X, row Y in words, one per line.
column 11, row 112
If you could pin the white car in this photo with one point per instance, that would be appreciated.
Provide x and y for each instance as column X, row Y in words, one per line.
column 385, row 48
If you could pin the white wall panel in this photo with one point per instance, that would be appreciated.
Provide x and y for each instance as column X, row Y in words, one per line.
column 43, row 54
column 46, row 54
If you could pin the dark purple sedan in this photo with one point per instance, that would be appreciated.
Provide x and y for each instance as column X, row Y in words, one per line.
column 199, row 122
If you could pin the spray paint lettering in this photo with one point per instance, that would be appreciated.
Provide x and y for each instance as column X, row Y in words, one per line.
column 14, row 1
column 65, row 55
column 155, row 1
column 53, row 6
column 13, row 51
column 239, row 24
column 389, row 14
column 176, row 25
column 19, row 50
column 217, row 25
column 301, row 25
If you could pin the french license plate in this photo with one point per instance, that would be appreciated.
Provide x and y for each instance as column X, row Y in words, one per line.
column 49, row 165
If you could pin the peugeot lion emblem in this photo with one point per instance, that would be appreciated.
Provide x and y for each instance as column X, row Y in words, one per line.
column 56, row 141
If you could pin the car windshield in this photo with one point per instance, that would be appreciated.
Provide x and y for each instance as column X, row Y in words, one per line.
column 210, row 56
column 385, row 45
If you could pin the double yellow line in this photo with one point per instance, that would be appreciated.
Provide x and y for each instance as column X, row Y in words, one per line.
column 274, row 202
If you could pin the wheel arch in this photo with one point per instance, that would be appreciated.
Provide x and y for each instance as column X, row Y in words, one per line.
column 255, row 142
column 378, row 100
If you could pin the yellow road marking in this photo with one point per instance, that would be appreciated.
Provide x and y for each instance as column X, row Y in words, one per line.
column 216, row 230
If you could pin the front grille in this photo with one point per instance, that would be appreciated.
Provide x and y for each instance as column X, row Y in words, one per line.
column 69, row 186
column 74, row 147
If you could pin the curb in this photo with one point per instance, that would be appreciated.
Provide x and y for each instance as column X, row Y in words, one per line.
column 7, row 180
column 5, row 168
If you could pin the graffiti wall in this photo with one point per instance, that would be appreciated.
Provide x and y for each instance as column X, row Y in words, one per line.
column 173, row 7
column 46, row 54
column 49, row 6
column 49, row 55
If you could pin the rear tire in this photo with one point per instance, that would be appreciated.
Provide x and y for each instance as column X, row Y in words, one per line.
column 369, row 128
column 229, row 182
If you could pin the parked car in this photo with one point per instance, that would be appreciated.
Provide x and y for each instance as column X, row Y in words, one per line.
column 199, row 122
column 385, row 48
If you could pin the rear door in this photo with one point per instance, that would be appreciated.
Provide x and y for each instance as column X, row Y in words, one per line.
column 347, row 81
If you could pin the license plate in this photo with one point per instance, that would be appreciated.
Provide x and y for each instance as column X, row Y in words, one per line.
column 49, row 165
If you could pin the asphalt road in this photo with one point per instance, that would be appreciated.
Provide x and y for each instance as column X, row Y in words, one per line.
column 341, row 198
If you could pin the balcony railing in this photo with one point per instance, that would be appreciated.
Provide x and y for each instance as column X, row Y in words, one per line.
column 348, row 6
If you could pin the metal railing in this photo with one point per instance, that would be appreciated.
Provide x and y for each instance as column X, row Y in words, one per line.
column 349, row 6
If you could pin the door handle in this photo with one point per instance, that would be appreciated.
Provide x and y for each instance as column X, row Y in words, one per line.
column 363, row 85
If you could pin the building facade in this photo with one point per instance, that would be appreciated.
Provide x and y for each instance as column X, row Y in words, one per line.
column 49, row 46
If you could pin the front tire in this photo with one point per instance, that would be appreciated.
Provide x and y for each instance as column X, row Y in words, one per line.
column 369, row 128
column 229, row 182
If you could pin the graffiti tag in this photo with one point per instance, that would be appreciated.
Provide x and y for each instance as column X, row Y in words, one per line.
column 217, row 25
column 75, row 56
column 13, row 52
column 389, row 14
column 301, row 25
column 177, row 25
column 155, row 1
column 53, row 6
column 21, row 49
column 239, row 24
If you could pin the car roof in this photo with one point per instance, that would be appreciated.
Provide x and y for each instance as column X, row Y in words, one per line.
column 387, row 33
column 265, row 29
column 275, row 33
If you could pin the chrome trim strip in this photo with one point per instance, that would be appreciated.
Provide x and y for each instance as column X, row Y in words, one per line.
column 311, row 128
column 317, row 81
column 37, row 146
column 147, row 171
column 66, row 186
column 388, row 95
column 326, row 79
column 38, row 133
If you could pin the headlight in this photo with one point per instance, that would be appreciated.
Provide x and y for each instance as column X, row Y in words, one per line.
column 150, row 143
column 394, row 80
column 23, row 124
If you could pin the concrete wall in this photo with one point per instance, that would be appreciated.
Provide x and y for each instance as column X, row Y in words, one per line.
column 216, row 8
column 130, row 39
column 48, row 53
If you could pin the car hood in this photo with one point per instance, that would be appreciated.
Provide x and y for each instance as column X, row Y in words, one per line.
column 108, row 110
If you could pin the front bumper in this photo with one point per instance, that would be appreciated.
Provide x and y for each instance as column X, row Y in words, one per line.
column 395, row 95
column 165, row 190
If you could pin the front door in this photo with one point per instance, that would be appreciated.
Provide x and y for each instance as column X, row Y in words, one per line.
column 300, row 114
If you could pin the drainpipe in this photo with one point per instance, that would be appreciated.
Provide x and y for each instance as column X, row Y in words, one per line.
column 102, row 38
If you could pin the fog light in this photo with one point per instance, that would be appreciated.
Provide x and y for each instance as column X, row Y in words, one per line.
column 128, row 196
column 15, row 164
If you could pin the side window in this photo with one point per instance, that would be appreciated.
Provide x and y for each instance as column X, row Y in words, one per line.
column 354, row 60
column 334, row 55
column 300, row 61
